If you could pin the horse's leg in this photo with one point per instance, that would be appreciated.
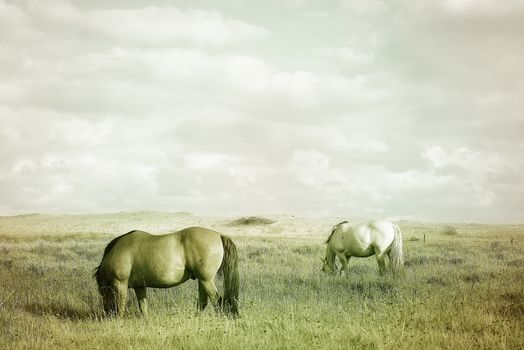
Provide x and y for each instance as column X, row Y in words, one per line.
column 142, row 302
column 202, row 296
column 121, row 295
column 390, row 261
column 347, row 264
column 212, row 292
column 108, row 300
column 381, row 260
column 344, row 261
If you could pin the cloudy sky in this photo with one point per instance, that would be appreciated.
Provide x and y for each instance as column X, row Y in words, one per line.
column 368, row 108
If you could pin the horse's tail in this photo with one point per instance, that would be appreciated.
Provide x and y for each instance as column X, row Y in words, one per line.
column 396, row 253
column 231, row 279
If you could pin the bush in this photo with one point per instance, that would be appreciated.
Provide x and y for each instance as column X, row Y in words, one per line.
column 449, row 230
column 251, row 220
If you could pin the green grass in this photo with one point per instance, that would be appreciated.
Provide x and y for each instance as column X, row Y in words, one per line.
column 461, row 291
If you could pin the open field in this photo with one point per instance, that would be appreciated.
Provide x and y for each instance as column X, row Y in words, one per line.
column 463, row 290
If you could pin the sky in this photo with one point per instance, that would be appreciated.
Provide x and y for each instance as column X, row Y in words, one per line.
column 367, row 108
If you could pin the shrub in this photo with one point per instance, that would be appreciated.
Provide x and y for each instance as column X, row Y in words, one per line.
column 449, row 230
column 252, row 220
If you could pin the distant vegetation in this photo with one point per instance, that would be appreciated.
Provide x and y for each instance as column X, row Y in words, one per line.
column 448, row 230
column 21, row 216
column 252, row 220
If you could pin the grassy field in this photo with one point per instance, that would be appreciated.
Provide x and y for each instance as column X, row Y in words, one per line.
column 463, row 290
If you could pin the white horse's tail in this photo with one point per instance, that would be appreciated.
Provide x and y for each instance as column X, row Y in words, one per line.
column 396, row 253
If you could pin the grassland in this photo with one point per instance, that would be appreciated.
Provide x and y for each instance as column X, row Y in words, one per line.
column 458, row 291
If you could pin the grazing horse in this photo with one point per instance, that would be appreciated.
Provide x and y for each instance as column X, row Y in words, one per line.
column 380, row 238
column 138, row 260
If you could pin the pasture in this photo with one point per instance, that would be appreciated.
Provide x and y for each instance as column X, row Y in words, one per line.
column 460, row 289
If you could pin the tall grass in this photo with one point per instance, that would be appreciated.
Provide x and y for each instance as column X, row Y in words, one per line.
column 463, row 291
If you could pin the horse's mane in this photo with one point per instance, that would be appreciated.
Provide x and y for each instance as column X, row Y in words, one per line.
column 107, row 249
column 333, row 230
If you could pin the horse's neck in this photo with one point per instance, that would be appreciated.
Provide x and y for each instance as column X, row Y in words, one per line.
column 330, row 255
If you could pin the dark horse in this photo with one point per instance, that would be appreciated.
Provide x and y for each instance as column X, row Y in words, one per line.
column 138, row 260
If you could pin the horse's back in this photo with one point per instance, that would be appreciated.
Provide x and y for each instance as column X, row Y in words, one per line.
column 132, row 243
column 380, row 225
column 363, row 240
column 145, row 259
column 119, row 258
column 352, row 240
column 200, row 236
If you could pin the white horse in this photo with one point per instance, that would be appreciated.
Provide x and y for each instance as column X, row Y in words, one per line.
column 378, row 237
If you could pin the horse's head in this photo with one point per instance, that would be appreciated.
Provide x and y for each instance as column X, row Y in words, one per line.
column 326, row 266
column 108, row 300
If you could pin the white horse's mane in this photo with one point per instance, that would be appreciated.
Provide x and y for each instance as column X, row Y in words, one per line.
column 334, row 228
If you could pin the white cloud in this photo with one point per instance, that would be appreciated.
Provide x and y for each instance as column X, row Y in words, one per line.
column 358, row 108
column 81, row 132
column 23, row 165
column 309, row 166
column 208, row 161
column 363, row 7
column 465, row 158
column 146, row 26
column 169, row 25
column 346, row 55
column 482, row 7
column 473, row 172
